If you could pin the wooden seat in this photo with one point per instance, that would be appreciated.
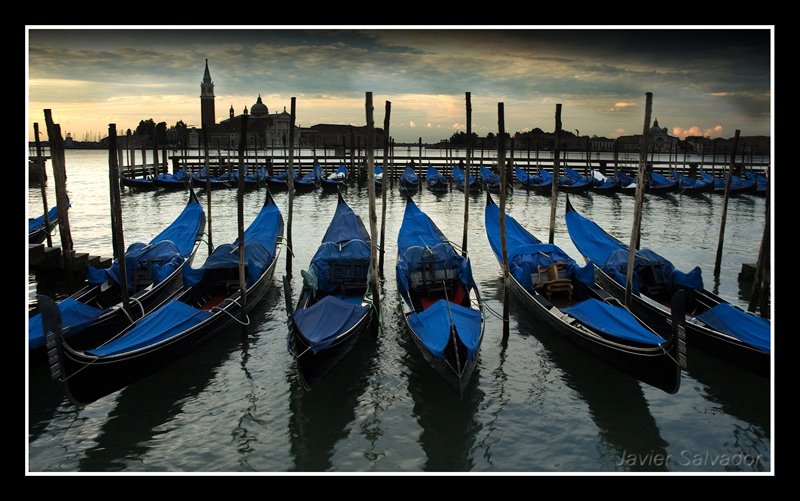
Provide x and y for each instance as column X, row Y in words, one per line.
column 553, row 279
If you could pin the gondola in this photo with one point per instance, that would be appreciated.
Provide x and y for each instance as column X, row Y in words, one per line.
column 604, row 185
column 441, row 303
column 712, row 323
column 761, row 182
column 154, row 271
column 572, row 182
column 659, row 184
column 551, row 285
column 458, row 180
column 689, row 186
column 435, row 181
column 220, row 182
column 138, row 183
column 253, row 179
column 279, row 180
column 209, row 301
column 527, row 181
column 178, row 181
column 627, row 184
column 336, row 180
column 738, row 185
column 37, row 233
column 310, row 181
column 378, row 178
column 490, row 180
column 335, row 306
column 409, row 180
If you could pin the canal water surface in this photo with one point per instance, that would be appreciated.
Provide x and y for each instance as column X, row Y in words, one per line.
column 539, row 404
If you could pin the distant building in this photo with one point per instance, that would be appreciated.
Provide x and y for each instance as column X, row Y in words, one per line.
column 263, row 129
column 337, row 135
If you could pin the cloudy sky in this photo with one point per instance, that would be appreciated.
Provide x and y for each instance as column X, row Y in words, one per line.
column 703, row 81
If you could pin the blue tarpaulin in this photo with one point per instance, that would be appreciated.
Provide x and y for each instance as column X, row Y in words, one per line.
column 526, row 252
column 260, row 242
column 745, row 327
column 458, row 177
column 612, row 321
column 409, row 177
column 488, row 176
column 37, row 223
column 75, row 316
column 325, row 320
column 657, row 179
column 172, row 318
column 346, row 242
column 433, row 327
column 161, row 258
column 165, row 250
column 612, row 255
column 433, row 176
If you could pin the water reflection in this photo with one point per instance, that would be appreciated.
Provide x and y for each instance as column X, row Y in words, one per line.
column 321, row 417
column 615, row 400
column 144, row 408
column 447, row 420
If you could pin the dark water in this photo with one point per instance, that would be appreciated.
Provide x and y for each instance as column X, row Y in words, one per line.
column 538, row 404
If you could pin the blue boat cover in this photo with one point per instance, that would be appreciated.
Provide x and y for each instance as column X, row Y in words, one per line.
column 432, row 326
column 458, row 176
column 37, row 223
column 743, row 326
column 345, row 241
column 325, row 320
column 612, row 255
column 420, row 240
column 75, row 316
column 488, row 176
column 409, row 176
column 686, row 181
column 166, row 250
column 526, row 253
column 172, row 318
column 339, row 175
column 163, row 258
column 312, row 176
column 658, row 180
column 612, row 321
column 572, row 178
column 260, row 242
column 433, row 176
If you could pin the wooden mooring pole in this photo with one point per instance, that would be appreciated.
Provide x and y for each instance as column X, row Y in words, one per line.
column 759, row 297
column 386, row 123
column 468, row 154
column 554, row 186
column 373, row 218
column 501, row 160
column 240, row 215
column 208, row 189
column 42, row 176
column 62, row 201
column 116, row 214
column 419, row 165
column 637, row 208
column 718, row 260
column 290, row 185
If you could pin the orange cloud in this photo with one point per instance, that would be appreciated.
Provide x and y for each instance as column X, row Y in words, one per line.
column 621, row 105
column 412, row 124
column 694, row 130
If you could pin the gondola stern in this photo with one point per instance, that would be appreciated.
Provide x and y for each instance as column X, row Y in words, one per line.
column 54, row 339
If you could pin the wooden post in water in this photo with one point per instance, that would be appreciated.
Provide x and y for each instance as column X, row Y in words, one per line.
column 128, row 146
column 466, row 174
column 240, row 214
column 373, row 218
column 155, row 151
column 132, row 173
column 637, row 208
column 353, row 153
column 62, row 201
column 616, row 156
column 501, row 161
column 419, row 166
column 42, row 176
column 386, row 123
column 759, row 297
column 290, row 185
column 117, row 239
column 208, row 189
column 554, row 186
column 718, row 260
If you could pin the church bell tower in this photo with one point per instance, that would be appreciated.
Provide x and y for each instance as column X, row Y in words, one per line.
column 207, row 99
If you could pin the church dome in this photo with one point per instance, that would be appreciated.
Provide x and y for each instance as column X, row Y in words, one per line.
column 259, row 109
